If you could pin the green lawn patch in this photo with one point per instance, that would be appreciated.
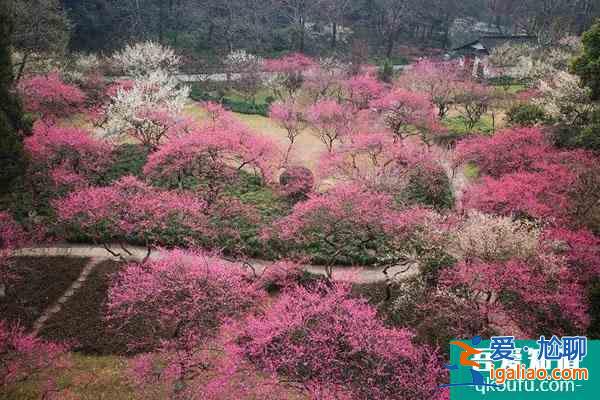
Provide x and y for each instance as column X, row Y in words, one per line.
column 457, row 125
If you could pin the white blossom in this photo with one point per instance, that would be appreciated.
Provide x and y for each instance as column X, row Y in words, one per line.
column 128, row 108
column 564, row 98
column 144, row 58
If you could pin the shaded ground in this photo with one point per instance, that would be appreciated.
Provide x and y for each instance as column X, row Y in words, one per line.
column 81, row 318
column 34, row 288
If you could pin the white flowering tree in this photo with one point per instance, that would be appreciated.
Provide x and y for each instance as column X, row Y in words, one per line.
column 532, row 64
column 147, row 110
column 141, row 59
column 248, row 72
column 564, row 99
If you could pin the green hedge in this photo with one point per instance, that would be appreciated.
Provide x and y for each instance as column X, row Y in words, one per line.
column 238, row 106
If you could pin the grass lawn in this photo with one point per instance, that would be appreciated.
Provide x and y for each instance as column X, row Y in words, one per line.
column 307, row 149
column 457, row 124
column 37, row 283
column 471, row 171
column 87, row 378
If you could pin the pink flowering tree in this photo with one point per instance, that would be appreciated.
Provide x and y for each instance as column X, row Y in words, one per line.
column 507, row 151
column 353, row 225
column 407, row 113
column 541, row 296
column 297, row 182
column 174, row 306
column 331, row 120
column 27, row 358
column 131, row 211
column 322, row 81
column 50, row 98
column 361, row 90
column 474, row 100
column 288, row 115
column 439, row 80
column 211, row 159
column 288, row 73
column 385, row 165
column 538, row 195
column 11, row 238
column 339, row 326
column 64, row 158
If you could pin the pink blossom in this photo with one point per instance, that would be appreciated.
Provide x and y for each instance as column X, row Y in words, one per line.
column 331, row 120
column 362, row 90
column 407, row 113
column 312, row 337
column 51, row 98
column 70, row 157
column 25, row 356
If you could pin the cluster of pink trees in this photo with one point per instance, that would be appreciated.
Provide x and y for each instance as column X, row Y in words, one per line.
column 283, row 341
column 174, row 306
column 213, row 157
column 130, row 210
column 50, row 98
column 383, row 164
column 27, row 358
column 342, row 224
column 526, row 178
column 66, row 157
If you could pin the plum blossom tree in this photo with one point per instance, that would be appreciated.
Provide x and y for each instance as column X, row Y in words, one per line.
column 474, row 101
column 540, row 295
column 213, row 158
column 439, row 80
column 248, row 72
column 180, row 300
column 331, row 120
column 361, row 90
column 349, row 224
column 288, row 73
column 494, row 238
column 289, row 115
column 130, row 211
column 564, row 99
column 26, row 358
column 382, row 164
column 407, row 113
column 50, row 98
column 148, row 111
column 67, row 157
column 538, row 195
column 507, row 151
column 339, row 326
column 322, row 80
column 297, row 182
column 143, row 59
column 11, row 238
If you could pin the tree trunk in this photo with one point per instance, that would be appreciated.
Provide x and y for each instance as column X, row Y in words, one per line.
column 301, row 44
column 22, row 67
column 333, row 35
column 390, row 46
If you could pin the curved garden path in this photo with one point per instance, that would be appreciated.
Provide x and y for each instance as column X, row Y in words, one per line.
column 99, row 253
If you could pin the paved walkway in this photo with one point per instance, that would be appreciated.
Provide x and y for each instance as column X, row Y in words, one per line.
column 357, row 274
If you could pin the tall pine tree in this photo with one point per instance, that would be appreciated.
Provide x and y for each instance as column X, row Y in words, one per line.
column 11, row 114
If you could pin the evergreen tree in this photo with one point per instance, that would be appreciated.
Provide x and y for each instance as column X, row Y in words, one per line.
column 587, row 66
column 11, row 148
